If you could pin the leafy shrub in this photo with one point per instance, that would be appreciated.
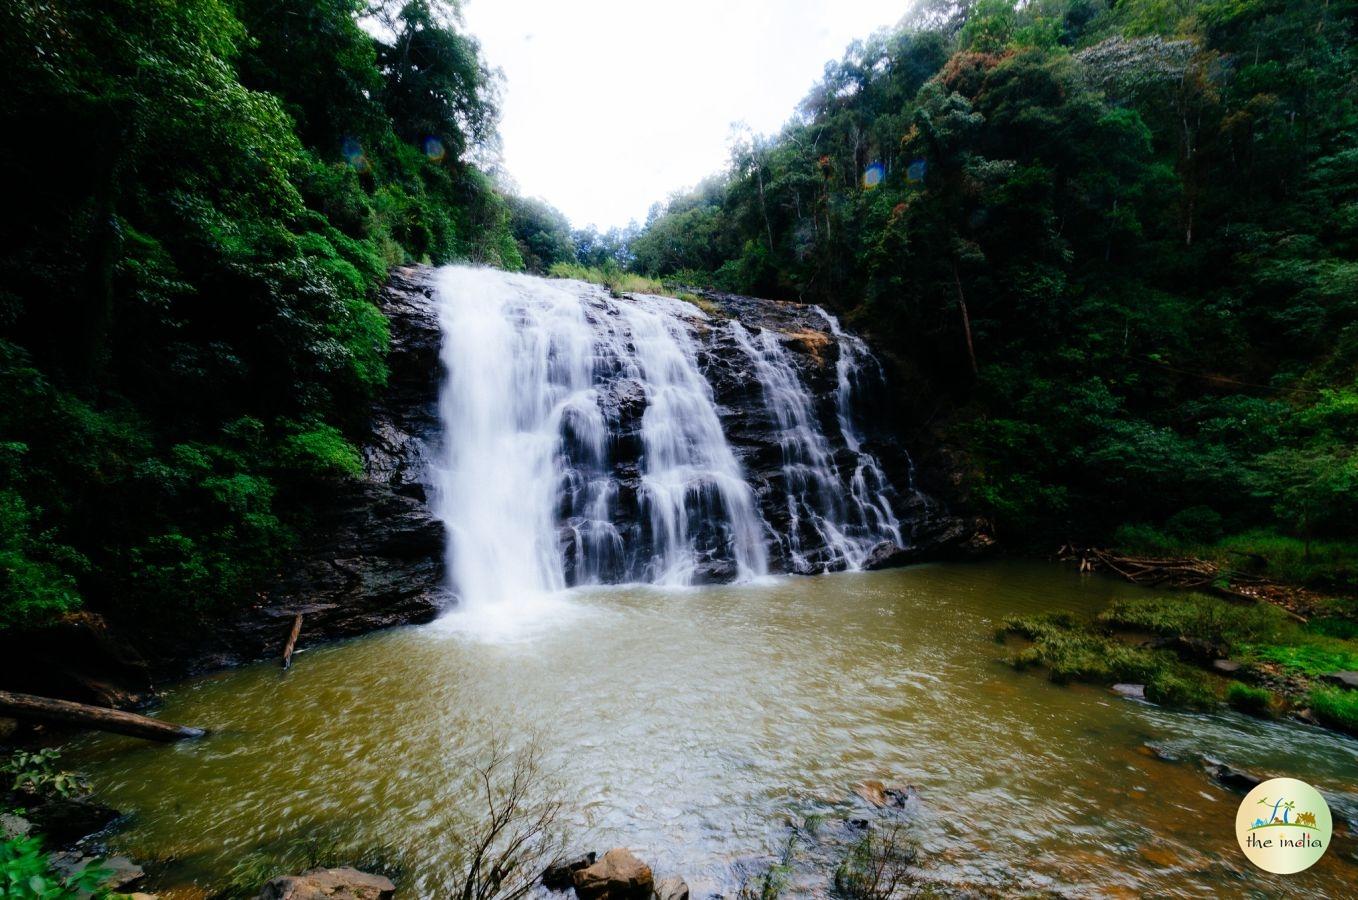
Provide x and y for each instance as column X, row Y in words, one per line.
column 1195, row 525
column 1248, row 698
column 1336, row 707
column 26, row 872
column 879, row 866
column 36, row 773
column 1146, row 540
column 320, row 449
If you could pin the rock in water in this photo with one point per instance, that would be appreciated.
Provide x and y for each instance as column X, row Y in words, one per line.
column 872, row 791
column 671, row 888
column 560, row 875
column 329, row 884
column 1130, row 691
column 65, row 820
column 1227, row 777
column 122, row 872
column 618, row 876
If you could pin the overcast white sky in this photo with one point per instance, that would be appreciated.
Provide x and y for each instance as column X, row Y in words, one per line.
column 611, row 105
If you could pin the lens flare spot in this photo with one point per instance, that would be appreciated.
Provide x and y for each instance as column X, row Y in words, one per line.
column 434, row 149
column 915, row 172
column 351, row 149
column 873, row 175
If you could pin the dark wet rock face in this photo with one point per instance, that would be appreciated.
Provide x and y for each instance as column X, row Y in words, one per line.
column 374, row 558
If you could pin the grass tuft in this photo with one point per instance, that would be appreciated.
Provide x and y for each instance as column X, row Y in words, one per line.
column 1336, row 707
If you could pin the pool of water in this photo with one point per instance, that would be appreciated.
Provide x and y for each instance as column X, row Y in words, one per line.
column 693, row 725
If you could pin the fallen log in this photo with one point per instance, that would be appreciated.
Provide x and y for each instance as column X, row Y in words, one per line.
column 100, row 718
column 292, row 640
column 1193, row 574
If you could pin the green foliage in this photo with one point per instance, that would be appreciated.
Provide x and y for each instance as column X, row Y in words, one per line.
column 194, row 275
column 26, row 873
column 616, row 280
column 1336, row 707
column 1308, row 655
column 1246, row 698
column 322, row 450
column 542, row 233
column 1211, row 621
column 36, row 773
column 1071, row 650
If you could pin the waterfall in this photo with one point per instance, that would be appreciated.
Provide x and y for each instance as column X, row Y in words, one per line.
column 844, row 518
column 547, row 477
column 582, row 443
column 869, row 486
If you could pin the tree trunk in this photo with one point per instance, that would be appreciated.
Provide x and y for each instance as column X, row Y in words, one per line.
column 966, row 319
column 100, row 718
column 292, row 640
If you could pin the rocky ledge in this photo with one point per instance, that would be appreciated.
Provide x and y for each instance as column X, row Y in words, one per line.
column 373, row 558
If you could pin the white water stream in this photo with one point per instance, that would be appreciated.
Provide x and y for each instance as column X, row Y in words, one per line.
column 581, row 444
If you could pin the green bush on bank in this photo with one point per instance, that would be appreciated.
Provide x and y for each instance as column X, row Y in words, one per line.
column 1336, row 707
column 1072, row 650
column 1246, row 698
column 1260, row 637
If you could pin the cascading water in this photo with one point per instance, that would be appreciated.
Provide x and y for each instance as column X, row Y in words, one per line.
column 843, row 519
column 582, row 444
column 548, row 476
column 869, row 485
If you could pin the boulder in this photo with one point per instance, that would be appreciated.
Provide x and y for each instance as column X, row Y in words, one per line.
column 65, row 820
column 1130, row 691
column 122, row 872
column 943, row 537
column 560, row 875
column 881, row 796
column 1226, row 666
column 716, row 571
column 1343, row 679
column 329, row 884
column 872, row 791
column 13, row 826
column 671, row 888
column 618, row 876
column 1227, row 777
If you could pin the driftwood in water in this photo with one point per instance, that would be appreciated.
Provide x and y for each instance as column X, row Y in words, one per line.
column 1194, row 574
column 292, row 640
column 101, row 718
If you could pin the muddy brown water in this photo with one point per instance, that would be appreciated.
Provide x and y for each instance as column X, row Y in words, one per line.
column 694, row 725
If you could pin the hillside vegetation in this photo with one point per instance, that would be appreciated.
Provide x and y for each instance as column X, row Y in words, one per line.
column 1112, row 247
column 203, row 199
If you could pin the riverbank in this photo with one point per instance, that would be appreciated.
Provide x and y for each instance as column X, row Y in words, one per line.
column 1227, row 637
